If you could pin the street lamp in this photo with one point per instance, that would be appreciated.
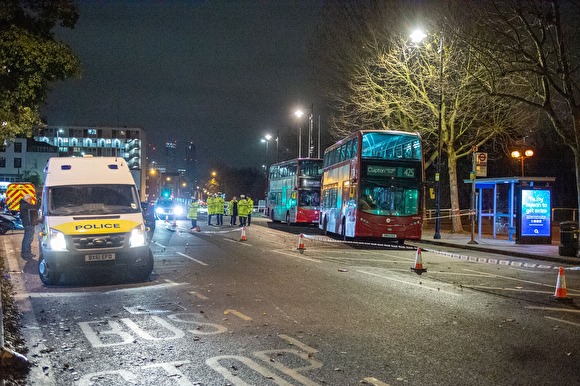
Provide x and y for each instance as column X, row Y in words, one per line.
column 416, row 37
column 266, row 140
column 299, row 114
column 526, row 154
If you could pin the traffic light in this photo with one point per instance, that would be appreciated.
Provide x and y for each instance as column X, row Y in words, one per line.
column 166, row 193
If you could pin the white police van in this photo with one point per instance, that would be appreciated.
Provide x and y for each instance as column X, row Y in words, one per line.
column 91, row 218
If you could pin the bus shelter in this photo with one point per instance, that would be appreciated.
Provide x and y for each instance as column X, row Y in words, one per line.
column 517, row 207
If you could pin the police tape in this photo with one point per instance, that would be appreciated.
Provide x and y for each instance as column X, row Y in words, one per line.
column 469, row 213
column 326, row 239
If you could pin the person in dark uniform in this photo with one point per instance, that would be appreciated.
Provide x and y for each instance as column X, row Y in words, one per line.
column 29, row 218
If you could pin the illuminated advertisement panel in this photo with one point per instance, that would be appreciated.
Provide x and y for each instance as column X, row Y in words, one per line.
column 536, row 210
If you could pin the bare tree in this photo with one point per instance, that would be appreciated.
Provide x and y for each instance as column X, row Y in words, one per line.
column 402, row 86
column 530, row 50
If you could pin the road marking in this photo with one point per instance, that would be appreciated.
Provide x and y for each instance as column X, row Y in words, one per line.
column 297, row 256
column 191, row 258
column 238, row 314
column 523, row 281
column 574, row 311
column 297, row 343
column 238, row 242
column 506, row 289
column 410, row 283
column 161, row 245
column 197, row 294
column 374, row 381
column 562, row 321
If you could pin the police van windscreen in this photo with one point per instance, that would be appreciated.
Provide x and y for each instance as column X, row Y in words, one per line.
column 92, row 200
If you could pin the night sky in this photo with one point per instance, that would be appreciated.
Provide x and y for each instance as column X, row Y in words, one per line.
column 219, row 73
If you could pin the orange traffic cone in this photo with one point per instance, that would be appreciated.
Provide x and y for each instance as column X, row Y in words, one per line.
column 418, row 267
column 174, row 225
column 301, row 247
column 561, row 293
column 244, row 238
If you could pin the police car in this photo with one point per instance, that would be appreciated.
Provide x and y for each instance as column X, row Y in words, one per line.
column 168, row 210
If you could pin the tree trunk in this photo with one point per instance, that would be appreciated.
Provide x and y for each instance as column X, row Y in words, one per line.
column 457, row 227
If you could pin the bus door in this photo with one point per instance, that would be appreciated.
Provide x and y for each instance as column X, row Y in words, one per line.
column 349, row 207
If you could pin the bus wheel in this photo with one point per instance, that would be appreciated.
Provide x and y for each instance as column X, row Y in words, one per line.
column 288, row 218
column 343, row 231
column 142, row 272
column 272, row 216
column 47, row 275
column 325, row 226
column 401, row 241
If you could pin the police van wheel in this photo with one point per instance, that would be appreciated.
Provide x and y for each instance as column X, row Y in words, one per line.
column 142, row 272
column 47, row 275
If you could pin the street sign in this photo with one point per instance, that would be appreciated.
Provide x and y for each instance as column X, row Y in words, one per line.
column 481, row 164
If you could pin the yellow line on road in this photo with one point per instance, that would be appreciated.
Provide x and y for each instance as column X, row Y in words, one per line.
column 238, row 314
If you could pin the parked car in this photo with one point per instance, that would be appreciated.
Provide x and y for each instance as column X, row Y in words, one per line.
column 169, row 210
column 9, row 223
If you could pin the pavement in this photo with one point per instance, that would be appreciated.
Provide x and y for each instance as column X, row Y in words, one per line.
column 545, row 252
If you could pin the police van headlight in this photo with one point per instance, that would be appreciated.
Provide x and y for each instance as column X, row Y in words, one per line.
column 138, row 237
column 159, row 210
column 178, row 210
column 57, row 241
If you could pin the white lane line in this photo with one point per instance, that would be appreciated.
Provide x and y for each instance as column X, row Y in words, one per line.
column 238, row 242
column 374, row 381
column 197, row 294
column 410, row 283
column 571, row 310
column 191, row 258
column 506, row 289
column 297, row 343
column 297, row 255
column 161, row 245
column 524, row 281
column 562, row 321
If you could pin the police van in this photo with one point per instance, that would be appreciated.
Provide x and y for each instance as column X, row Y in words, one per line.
column 91, row 218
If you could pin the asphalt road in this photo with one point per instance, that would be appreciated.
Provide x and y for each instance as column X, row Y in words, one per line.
column 220, row 311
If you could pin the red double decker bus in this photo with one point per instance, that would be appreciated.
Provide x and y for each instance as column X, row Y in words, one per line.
column 372, row 186
column 294, row 191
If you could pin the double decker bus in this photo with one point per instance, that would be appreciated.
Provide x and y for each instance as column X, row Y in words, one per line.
column 372, row 186
column 294, row 191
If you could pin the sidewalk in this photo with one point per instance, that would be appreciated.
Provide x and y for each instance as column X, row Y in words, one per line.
column 546, row 252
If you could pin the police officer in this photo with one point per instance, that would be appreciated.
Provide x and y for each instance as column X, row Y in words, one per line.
column 210, row 208
column 219, row 207
column 243, row 210
column 192, row 213
column 29, row 218
column 233, row 210
column 250, row 208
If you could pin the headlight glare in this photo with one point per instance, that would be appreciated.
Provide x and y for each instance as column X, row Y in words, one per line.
column 56, row 240
column 138, row 237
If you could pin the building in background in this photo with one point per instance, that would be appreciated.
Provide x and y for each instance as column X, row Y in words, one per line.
column 23, row 159
column 76, row 141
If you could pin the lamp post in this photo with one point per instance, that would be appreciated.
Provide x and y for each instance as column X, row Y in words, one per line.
column 299, row 114
column 416, row 37
column 266, row 140
column 522, row 156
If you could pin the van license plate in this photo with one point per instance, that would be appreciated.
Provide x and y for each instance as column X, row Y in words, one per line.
column 100, row 257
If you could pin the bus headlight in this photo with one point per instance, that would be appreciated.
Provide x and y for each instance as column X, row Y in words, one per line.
column 56, row 240
column 138, row 237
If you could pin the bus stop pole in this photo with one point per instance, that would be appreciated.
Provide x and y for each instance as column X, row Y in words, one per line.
column 472, row 209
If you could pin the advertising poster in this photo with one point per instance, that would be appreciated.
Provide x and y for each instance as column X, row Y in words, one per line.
column 536, row 212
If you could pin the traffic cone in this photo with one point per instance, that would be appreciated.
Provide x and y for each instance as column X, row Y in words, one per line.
column 301, row 247
column 244, row 238
column 166, row 218
column 561, row 293
column 174, row 225
column 418, row 267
